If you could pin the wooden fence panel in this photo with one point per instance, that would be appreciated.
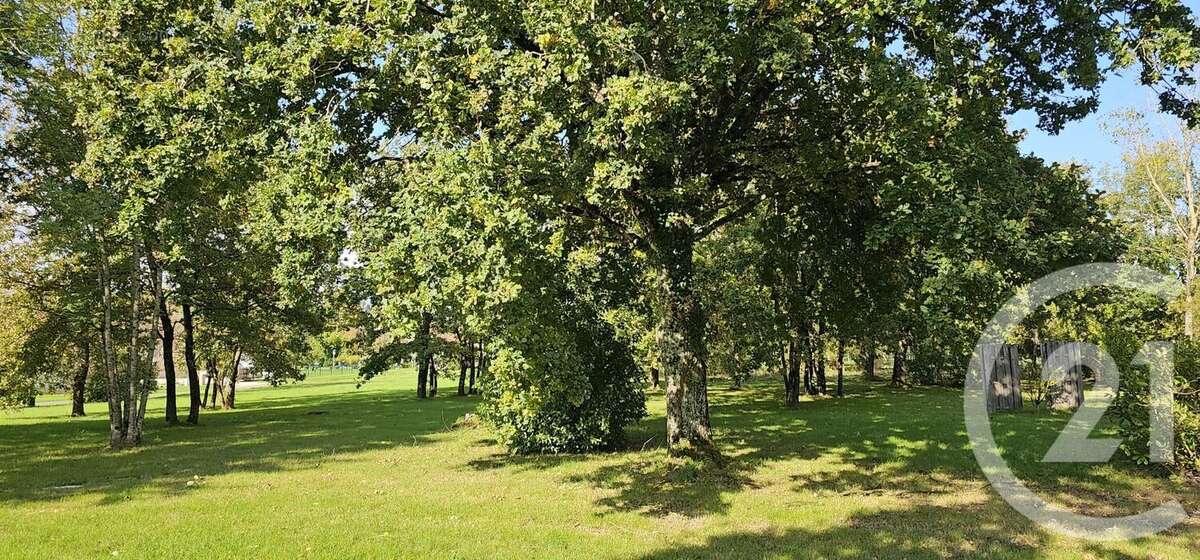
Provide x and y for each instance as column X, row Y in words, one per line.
column 1067, row 394
column 1004, row 380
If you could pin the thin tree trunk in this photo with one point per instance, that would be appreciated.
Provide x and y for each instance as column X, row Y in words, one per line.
column 783, row 368
column 116, row 426
column 215, row 379
column 822, row 384
column 1189, row 278
column 474, row 368
column 422, row 340
column 233, row 379
column 132, row 436
column 207, row 386
column 189, row 360
column 433, row 376
column 869, row 355
column 485, row 361
column 79, row 384
column 810, row 360
column 167, row 335
column 841, row 365
column 791, row 375
column 139, row 421
column 898, row 362
column 682, row 350
column 462, row 370
column 1192, row 238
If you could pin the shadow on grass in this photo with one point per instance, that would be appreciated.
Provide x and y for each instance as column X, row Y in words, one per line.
column 909, row 533
column 878, row 440
column 45, row 460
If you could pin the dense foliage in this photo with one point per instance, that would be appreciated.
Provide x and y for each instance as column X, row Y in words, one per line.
column 562, row 197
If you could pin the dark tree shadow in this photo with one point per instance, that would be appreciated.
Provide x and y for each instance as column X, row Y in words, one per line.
column 910, row 533
column 908, row 443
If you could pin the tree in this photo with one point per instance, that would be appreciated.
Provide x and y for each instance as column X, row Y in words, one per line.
column 741, row 321
column 584, row 127
column 1155, row 200
column 624, row 121
column 47, row 271
column 178, row 133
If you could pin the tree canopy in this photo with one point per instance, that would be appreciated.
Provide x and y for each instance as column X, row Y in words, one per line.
column 571, row 189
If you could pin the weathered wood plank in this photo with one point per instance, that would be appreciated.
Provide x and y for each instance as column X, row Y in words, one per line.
column 1068, row 393
column 1003, row 381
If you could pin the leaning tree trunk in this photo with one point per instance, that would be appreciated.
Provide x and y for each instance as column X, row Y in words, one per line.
column 167, row 335
column 189, row 360
column 208, row 382
column 682, row 351
column 79, row 384
column 229, row 395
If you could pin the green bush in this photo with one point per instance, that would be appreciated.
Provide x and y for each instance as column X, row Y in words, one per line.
column 1131, row 409
column 561, row 382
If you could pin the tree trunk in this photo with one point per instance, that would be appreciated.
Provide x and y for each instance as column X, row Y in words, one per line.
column 116, row 427
column 682, row 351
column 898, row 365
column 139, row 420
column 433, row 376
column 214, row 379
column 228, row 403
column 1189, row 278
column 480, row 368
column 474, row 368
column 167, row 335
column 208, row 381
column 79, row 384
column 422, row 340
column 462, row 370
column 133, row 435
column 1191, row 238
column 31, row 401
column 841, row 365
column 189, row 360
column 791, row 375
column 868, row 354
column 822, row 384
column 810, row 360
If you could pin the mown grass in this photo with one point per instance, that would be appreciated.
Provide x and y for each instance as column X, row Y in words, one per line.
column 323, row 470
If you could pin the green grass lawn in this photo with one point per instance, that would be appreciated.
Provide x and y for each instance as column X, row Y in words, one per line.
column 323, row 470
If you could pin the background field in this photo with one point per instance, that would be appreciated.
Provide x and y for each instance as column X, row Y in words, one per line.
column 321, row 469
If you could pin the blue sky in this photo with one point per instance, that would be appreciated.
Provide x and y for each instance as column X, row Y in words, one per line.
column 1085, row 141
